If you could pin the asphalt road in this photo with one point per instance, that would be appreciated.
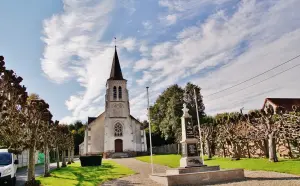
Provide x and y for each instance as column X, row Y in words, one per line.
column 39, row 170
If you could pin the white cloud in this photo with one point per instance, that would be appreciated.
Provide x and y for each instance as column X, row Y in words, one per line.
column 142, row 64
column 147, row 25
column 225, row 48
column 257, row 36
column 73, row 49
column 129, row 5
column 169, row 19
column 144, row 49
column 186, row 9
column 161, row 51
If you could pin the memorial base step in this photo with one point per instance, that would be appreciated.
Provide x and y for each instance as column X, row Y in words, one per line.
column 199, row 178
column 186, row 170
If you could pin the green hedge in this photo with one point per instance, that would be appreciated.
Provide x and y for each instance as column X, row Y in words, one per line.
column 93, row 160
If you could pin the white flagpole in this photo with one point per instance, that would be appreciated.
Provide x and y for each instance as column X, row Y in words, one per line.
column 201, row 145
column 150, row 138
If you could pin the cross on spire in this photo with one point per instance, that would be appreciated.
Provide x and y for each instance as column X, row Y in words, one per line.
column 115, row 42
column 116, row 72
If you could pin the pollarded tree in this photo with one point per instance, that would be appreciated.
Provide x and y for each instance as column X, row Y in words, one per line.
column 63, row 143
column 290, row 129
column 268, row 121
column 35, row 110
column 12, row 101
column 208, row 130
column 56, row 141
column 47, row 138
column 230, row 130
column 70, row 142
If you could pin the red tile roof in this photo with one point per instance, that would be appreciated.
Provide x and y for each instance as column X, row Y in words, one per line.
column 286, row 103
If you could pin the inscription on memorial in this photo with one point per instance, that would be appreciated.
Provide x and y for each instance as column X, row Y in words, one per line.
column 192, row 149
column 189, row 128
column 183, row 150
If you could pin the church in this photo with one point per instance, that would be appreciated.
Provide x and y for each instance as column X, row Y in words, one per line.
column 115, row 132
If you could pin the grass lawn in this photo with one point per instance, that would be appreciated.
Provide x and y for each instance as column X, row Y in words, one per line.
column 284, row 166
column 74, row 174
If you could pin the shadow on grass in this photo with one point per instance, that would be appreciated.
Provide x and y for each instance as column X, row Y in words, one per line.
column 86, row 174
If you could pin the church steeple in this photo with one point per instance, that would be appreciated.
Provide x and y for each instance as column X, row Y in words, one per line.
column 116, row 72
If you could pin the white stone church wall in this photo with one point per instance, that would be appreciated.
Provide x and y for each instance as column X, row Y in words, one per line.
column 97, row 135
column 127, row 137
column 137, row 135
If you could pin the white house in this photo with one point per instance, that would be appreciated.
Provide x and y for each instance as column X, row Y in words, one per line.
column 114, row 130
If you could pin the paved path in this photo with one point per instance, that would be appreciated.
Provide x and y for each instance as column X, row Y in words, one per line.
column 253, row 178
column 263, row 178
column 39, row 170
column 141, row 177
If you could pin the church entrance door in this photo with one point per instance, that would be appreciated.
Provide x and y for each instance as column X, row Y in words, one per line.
column 118, row 145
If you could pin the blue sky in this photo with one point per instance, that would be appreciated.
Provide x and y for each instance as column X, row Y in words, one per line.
column 64, row 49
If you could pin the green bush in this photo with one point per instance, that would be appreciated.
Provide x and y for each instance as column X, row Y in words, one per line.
column 92, row 160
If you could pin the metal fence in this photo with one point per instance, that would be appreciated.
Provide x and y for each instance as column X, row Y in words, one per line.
column 167, row 149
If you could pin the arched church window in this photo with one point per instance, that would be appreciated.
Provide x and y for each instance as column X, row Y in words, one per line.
column 115, row 92
column 120, row 92
column 118, row 129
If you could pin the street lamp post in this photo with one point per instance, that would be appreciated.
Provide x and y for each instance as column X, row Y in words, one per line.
column 150, row 138
column 201, row 145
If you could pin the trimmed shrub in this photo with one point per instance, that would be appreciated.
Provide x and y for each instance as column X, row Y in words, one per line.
column 93, row 160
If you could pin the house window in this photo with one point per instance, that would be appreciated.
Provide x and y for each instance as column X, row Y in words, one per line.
column 115, row 92
column 89, row 138
column 120, row 92
column 89, row 128
column 118, row 129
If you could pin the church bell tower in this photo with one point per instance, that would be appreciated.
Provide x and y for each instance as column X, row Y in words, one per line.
column 117, row 112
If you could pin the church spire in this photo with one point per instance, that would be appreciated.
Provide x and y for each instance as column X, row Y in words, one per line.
column 116, row 72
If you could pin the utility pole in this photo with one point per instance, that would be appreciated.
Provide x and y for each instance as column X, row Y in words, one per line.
column 201, row 145
column 150, row 136
column 241, row 110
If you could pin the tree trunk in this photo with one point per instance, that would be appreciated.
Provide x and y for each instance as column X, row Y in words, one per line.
column 31, row 165
column 57, row 157
column 248, row 150
column 69, row 155
column 272, row 148
column 46, row 163
column 266, row 146
column 235, row 151
column 72, row 155
column 208, row 148
column 64, row 164
column 213, row 149
column 290, row 149
column 224, row 152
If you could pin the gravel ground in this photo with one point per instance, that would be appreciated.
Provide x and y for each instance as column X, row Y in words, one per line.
column 263, row 178
column 141, row 177
column 253, row 178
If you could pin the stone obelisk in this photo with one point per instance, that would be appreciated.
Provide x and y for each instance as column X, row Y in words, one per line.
column 190, row 156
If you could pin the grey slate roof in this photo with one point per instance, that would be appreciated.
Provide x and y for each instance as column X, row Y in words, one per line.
column 116, row 72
